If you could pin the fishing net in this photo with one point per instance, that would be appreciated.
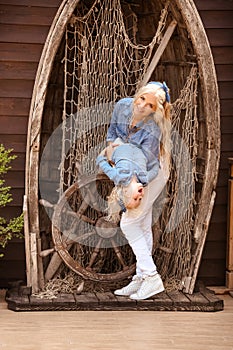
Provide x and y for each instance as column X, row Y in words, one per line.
column 102, row 64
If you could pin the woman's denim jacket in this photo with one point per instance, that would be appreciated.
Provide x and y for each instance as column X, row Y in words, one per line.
column 145, row 135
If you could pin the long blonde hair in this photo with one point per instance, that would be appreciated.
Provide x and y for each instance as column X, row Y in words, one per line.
column 162, row 116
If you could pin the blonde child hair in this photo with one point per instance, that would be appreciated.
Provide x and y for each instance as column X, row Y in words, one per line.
column 117, row 202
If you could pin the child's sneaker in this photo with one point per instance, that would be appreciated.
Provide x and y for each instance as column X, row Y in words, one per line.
column 151, row 285
column 131, row 288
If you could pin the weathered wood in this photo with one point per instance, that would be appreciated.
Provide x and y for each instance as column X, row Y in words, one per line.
column 125, row 303
column 41, row 281
column 17, row 302
column 37, row 104
column 64, row 300
column 40, row 302
column 46, row 252
column 159, row 52
column 106, row 300
column 40, row 92
column 196, row 260
column 172, row 301
column 212, row 110
column 198, row 298
column 34, row 265
column 159, row 302
column 224, row 72
column 27, row 241
column 86, row 301
column 229, row 260
column 85, row 271
column 53, row 266
column 179, row 299
column 212, row 298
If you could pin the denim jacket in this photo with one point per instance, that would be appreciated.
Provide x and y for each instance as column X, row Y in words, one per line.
column 145, row 135
column 129, row 161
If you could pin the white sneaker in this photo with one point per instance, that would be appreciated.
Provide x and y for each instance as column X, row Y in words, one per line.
column 131, row 288
column 151, row 285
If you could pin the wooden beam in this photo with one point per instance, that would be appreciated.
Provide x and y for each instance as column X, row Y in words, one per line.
column 159, row 52
column 27, row 241
column 229, row 272
column 34, row 266
column 190, row 281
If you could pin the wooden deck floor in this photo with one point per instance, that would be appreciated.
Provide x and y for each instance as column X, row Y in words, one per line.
column 116, row 330
column 20, row 299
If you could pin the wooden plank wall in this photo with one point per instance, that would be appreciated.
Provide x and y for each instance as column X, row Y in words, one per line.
column 217, row 17
column 24, row 25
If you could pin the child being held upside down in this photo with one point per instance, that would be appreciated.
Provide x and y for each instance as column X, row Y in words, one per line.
column 127, row 168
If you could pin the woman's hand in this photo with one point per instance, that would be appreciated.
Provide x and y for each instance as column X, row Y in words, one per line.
column 110, row 150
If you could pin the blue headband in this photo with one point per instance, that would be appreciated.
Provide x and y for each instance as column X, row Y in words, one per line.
column 164, row 87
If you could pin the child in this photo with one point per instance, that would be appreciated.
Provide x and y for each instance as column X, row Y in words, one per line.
column 129, row 174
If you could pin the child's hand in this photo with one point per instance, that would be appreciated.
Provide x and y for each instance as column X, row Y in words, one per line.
column 110, row 150
column 103, row 153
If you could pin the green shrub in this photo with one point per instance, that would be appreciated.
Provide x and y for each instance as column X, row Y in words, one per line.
column 14, row 227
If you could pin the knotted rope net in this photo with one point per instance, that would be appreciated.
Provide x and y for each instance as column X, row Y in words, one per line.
column 103, row 63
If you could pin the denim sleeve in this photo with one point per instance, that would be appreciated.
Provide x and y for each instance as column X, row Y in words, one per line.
column 118, row 176
column 110, row 171
column 112, row 134
column 151, row 174
column 150, row 148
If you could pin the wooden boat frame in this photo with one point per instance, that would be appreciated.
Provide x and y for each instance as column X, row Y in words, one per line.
column 209, row 90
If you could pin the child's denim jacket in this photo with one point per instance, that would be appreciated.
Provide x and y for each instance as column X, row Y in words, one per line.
column 129, row 161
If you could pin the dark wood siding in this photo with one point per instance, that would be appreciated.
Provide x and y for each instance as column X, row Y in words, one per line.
column 217, row 18
column 24, row 25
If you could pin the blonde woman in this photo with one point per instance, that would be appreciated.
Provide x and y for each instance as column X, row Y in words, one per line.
column 142, row 121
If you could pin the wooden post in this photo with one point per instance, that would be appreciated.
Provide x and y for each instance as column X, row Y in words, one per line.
column 27, row 241
column 159, row 52
column 229, row 271
column 34, row 265
column 41, row 281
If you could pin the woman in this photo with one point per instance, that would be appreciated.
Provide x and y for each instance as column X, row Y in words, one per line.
column 144, row 121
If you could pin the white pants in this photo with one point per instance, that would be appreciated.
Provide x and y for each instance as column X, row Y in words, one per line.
column 137, row 227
